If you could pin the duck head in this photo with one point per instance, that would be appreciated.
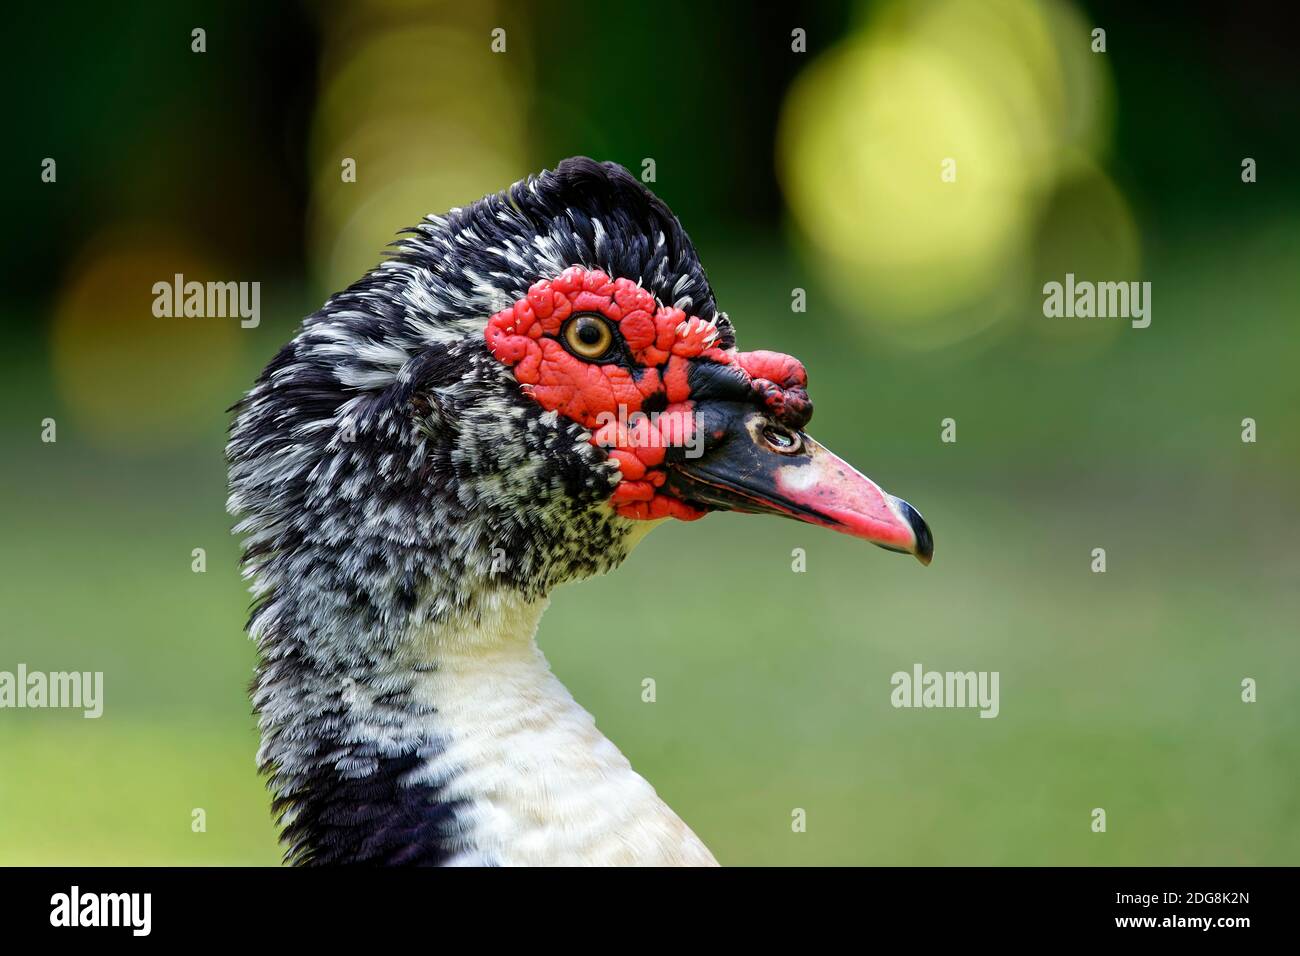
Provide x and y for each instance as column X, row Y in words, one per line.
column 509, row 399
column 506, row 403
column 692, row 424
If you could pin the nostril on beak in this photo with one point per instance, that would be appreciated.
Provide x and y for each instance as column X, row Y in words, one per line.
column 924, row 539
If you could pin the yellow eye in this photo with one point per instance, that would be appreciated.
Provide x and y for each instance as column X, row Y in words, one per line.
column 588, row 336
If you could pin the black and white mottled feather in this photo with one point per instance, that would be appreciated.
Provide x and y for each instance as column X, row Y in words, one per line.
column 401, row 502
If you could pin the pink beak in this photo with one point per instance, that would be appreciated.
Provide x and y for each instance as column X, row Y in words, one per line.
column 827, row 491
column 756, row 467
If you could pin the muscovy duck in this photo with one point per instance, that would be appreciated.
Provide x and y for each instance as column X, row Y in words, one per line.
column 504, row 404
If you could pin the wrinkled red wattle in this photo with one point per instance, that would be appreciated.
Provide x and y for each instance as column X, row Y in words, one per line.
column 664, row 341
column 781, row 382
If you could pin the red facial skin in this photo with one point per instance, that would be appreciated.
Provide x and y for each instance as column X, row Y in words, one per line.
column 664, row 342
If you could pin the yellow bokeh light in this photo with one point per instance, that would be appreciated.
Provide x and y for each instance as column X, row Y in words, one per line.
column 864, row 167
column 432, row 117
column 132, row 379
column 1086, row 229
column 917, row 157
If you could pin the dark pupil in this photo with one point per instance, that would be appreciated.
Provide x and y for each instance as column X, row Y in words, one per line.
column 588, row 333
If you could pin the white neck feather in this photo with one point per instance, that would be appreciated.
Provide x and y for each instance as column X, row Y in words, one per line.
column 540, row 784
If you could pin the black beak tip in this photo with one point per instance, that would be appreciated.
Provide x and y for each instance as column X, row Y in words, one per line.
column 924, row 539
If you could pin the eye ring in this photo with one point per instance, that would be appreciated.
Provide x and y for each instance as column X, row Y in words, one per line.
column 781, row 440
column 588, row 336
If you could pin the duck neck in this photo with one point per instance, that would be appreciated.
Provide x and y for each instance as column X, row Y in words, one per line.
column 460, row 746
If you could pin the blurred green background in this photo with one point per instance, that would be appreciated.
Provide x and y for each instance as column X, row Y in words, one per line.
column 816, row 170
